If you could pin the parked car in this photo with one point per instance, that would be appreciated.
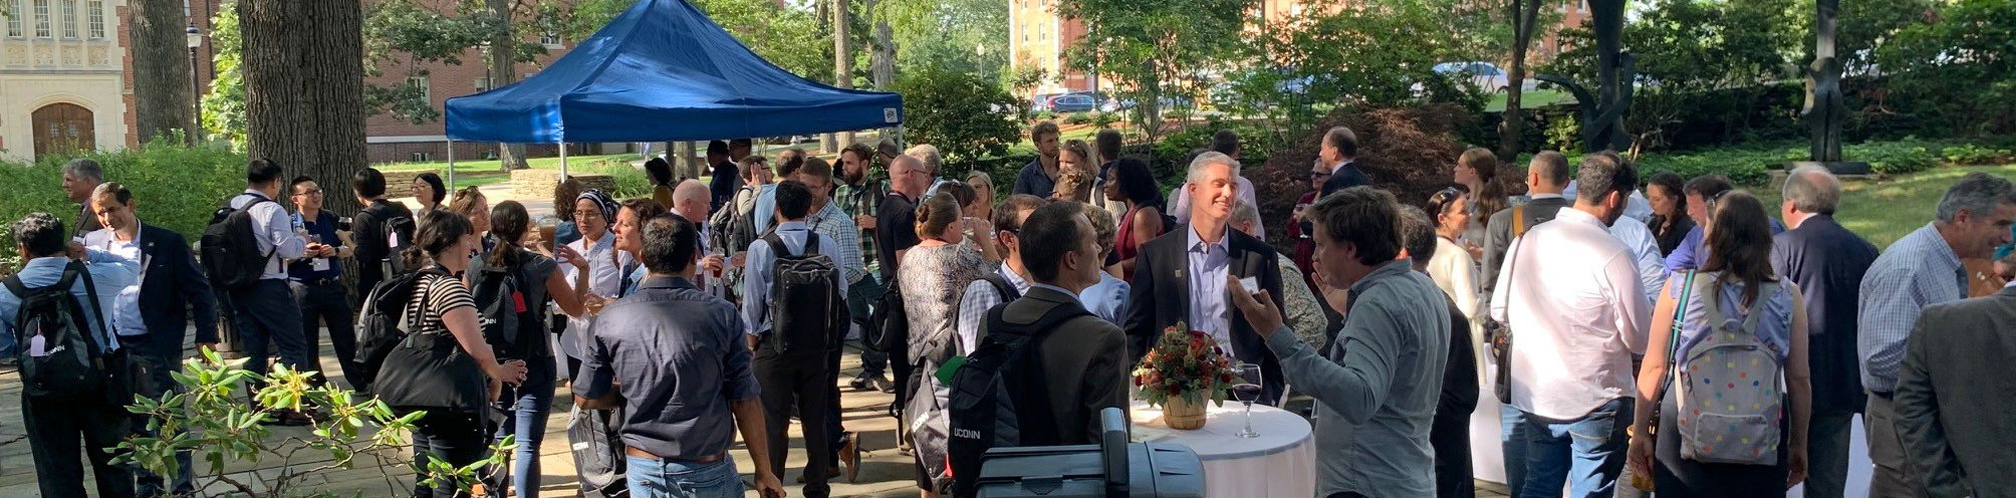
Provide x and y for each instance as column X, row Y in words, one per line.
column 1072, row 102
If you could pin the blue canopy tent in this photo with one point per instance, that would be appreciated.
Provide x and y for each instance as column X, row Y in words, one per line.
column 662, row 71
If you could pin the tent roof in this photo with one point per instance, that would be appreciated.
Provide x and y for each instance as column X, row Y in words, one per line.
column 663, row 71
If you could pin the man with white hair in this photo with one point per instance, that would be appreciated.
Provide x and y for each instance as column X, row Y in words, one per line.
column 690, row 200
column 932, row 163
column 1180, row 277
column 1827, row 262
column 1920, row 270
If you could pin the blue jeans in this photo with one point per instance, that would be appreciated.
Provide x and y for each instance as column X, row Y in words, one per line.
column 671, row 478
column 1512, row 436
column 528, row 405
column 1586, row 453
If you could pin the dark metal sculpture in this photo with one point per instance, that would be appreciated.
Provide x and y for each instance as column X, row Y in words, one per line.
column 1603, row 112
column 1825, row 108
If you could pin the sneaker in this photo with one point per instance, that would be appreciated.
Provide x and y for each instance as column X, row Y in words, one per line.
column 884, row 385
column 862, row 382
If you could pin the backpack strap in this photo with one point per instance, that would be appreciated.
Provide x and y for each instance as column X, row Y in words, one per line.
column 1673, row 341
column 75, row 271
column 1030, row 385
column 1518, row 220
column 1006, row 290
column 20, row 291
column 777, row 248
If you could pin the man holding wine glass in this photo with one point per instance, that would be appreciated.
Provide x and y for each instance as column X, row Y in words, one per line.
column 1372, row 427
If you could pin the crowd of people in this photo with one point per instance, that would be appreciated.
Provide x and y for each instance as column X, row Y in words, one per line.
column 1668, row 326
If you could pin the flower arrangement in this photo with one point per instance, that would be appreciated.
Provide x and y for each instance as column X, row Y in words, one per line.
column 1187, row 365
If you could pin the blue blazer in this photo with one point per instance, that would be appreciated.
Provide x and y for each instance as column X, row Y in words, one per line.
column 173, row 288
column 1827, row 262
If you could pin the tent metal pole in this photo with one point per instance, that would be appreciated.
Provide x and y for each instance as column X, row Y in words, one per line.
column 563, row 161
column 451, row 164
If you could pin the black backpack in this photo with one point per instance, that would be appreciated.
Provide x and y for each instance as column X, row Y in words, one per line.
column 807, row 314
column 231, row 256
column 888, row 325
column 74, row 365
column 379, row 322
column 394, row 222
column 502, row 309
column 999, row 396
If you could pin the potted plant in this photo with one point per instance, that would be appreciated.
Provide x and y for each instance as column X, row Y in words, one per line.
column 1184, row 369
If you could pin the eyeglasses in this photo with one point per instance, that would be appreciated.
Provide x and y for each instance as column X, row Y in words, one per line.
column 1319, row 174
column 311, row 193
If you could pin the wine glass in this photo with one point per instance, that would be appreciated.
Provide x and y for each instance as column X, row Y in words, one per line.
column 1247, row 390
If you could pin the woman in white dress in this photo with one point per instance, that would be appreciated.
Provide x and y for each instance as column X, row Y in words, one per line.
column 1451, row 267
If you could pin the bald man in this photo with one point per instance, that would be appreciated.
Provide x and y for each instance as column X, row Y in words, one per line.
column 690, row 200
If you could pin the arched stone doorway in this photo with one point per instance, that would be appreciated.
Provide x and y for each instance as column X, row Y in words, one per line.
column 62, row 127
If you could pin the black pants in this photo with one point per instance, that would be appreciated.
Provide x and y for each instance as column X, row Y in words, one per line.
column 1449, row 434
column 458, row 438
column 54, row 428
column 803, row 383
column 833, row 427
column 155, row 363
column 328, row 303
column 861, row 298
column 266, row 312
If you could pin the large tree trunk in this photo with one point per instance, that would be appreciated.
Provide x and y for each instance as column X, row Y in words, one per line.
column 1525, row 19
column 161, row 92
column 1607, row 17
column 883, row 60
column 843, row 67
column 304, row 89
column 503, row 72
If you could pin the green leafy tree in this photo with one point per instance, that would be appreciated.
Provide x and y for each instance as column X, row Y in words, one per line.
column 1693, row 54
column 1158, row 49
column 224, row 107
column 1317, row 61
column 209, row 421
column 790, row 37
column 966, row 116
column 954, row 35
column 1961, row 65
column 407, row 35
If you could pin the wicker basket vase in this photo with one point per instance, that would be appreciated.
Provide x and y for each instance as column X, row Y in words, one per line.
column 1180, row 414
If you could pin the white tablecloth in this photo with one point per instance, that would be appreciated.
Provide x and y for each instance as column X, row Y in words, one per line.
column 1281, row 462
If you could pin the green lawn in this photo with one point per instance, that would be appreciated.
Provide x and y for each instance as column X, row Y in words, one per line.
column 1884, row 211
column 1528, row 100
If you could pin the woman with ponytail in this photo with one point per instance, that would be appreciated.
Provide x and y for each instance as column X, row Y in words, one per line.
column 540, row 281
column 1477, row 171
column 453, row 427
column 935, row 272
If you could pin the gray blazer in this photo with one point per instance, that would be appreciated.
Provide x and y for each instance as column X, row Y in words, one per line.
column 1955, row 399
column 1498, row 236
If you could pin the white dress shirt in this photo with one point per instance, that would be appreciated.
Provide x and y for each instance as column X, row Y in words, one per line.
column 104, row 239
column 1644, row 253
column 1578, row 312
column 273, row 229
column 1209, row 263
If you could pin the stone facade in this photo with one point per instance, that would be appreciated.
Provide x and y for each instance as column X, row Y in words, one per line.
column 62, row 76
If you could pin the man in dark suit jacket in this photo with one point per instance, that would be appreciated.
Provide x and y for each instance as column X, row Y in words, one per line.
column 1827, row 262
column 1167, row 286
column 1546, row 178
column 172, row 289
column 1340, row 153
column 1084, row 359
column 1954, row 397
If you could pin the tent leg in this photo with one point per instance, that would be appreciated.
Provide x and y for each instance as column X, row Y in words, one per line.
column 451, row 164
column 563, row 161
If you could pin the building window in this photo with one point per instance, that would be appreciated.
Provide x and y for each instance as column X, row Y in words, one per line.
column 95, row 15
column 421, row 157
column 549, row 38
column 483, row 84
column 42, row 23
column 420, row 82
column 69, row 18
column 14, row 13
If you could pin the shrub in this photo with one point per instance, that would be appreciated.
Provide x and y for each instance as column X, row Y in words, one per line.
column 1407, row 151
column 209, row 421
column 968, row 117
column 1042, row 115
column 176, row 186
column 1078, row 118
column 1975, row 155
column 1104, row 119
column 630, row 181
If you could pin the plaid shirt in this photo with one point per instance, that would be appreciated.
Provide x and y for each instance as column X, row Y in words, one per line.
column 864, row 200
column 833, row 224
column 1918, row 270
